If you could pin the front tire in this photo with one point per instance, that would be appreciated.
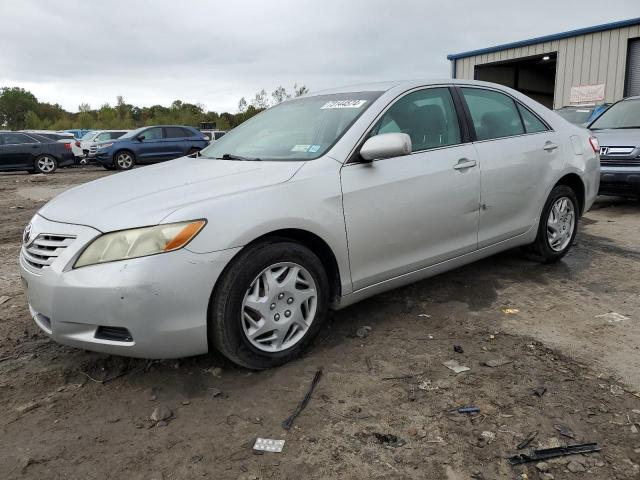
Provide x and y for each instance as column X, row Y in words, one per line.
column 558, row 225
column 269, row 304
column 124, row 160
column 45, row 164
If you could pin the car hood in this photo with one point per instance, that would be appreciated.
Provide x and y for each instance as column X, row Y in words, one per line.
column 618, row 137
column 145, row 196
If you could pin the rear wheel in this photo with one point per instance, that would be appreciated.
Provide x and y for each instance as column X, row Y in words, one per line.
column 269, row 304
column 558, row 225
column 45, row 164
column 123, row 160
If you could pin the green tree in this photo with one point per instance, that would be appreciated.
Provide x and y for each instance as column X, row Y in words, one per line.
column 15, row 103
column 32, row 120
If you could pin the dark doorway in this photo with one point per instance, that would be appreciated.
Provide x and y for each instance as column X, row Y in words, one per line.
column 533, row 76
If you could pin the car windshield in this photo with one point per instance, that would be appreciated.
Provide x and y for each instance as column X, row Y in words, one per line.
column 578, row 116
column 88, row 135
column 624, row 114
column 300, row 129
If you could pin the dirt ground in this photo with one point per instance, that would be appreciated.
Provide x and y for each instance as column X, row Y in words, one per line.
column 72, row 414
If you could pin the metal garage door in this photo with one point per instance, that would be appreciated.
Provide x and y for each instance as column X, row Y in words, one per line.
column 633, row 69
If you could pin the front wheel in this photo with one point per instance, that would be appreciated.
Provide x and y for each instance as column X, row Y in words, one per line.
column 269, row 304
column 558, row 225
column 123, row 160
column 45, row 164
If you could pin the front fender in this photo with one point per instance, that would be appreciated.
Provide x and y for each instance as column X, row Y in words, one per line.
column 311, row 201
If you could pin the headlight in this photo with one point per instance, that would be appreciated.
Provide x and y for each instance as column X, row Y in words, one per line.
column 104, row 145
column 139, row 242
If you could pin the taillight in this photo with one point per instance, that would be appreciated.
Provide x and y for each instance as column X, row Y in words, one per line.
column 67, row 146
column 593, row 141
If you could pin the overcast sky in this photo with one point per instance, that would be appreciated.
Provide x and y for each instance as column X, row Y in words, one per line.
column 214, row 52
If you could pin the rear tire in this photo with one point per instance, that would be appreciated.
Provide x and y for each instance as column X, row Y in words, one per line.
column 264, row 310
column 124, row 160
column 45, row 164
column 558, row 225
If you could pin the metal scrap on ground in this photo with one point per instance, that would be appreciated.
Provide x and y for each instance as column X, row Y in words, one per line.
column 301, row 406
column 545, row 453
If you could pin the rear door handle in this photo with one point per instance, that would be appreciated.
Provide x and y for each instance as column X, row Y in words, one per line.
column 464, row 163
column 549, row 146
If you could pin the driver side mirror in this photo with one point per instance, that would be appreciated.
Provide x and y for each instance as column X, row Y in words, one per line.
column 140, row 138
column 386, row 145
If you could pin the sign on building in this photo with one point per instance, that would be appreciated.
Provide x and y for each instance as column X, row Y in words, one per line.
column 587, row 94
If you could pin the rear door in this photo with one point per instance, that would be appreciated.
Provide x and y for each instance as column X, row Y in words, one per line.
column 516, row 150
column 176, row 141
column 152, row 147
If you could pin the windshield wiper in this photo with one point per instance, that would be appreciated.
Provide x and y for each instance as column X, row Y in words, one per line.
column 230, row 156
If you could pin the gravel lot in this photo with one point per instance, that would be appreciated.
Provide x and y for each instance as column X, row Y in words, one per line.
column 73, row 414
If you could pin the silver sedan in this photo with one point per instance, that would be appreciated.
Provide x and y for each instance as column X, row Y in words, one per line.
column 314, row 204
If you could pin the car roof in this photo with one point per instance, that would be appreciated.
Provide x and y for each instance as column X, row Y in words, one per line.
column 401, row 85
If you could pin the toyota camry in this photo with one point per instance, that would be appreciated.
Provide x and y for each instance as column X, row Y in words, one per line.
column 311, row 205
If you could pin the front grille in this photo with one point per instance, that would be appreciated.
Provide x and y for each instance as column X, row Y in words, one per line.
column 43, row 251
column 93, row 149
column 620, row 162
column 606, row 150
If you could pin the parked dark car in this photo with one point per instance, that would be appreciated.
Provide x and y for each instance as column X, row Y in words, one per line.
column 33, row 153
column 149, row 145
column 618, row 133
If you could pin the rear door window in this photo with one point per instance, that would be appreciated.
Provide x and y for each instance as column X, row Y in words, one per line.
column 174, row 132
column 532, row 124
column 494, row 114
column 17, row 139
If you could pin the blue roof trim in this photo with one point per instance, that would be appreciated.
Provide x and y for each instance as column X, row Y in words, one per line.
column 547, row 38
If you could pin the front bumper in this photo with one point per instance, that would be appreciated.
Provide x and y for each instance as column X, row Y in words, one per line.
column 619, row 180
column 161, row 300
column 103, row 157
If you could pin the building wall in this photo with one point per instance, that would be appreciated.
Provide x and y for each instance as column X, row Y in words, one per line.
column 590, row 59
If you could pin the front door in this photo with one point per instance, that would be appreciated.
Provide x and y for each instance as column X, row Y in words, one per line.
column 406, row 213
column 152, row 148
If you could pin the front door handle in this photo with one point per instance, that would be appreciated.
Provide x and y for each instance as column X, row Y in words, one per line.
column 549, row 146
column 464, row 163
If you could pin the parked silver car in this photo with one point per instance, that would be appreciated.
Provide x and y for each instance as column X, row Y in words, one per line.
column 618, row 132
column 313, row 204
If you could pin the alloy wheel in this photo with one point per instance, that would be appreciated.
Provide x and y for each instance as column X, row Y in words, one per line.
column 124, row 161
column 279, row 307
column 46, row 164
column 561, row 224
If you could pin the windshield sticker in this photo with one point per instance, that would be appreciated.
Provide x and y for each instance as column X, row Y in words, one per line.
column 343, row 104
column 300, row 148
column 314, row 148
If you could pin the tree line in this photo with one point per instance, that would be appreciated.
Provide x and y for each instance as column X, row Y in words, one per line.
column 20, row 109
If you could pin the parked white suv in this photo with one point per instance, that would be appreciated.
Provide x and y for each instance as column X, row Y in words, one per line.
column 91, row 139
